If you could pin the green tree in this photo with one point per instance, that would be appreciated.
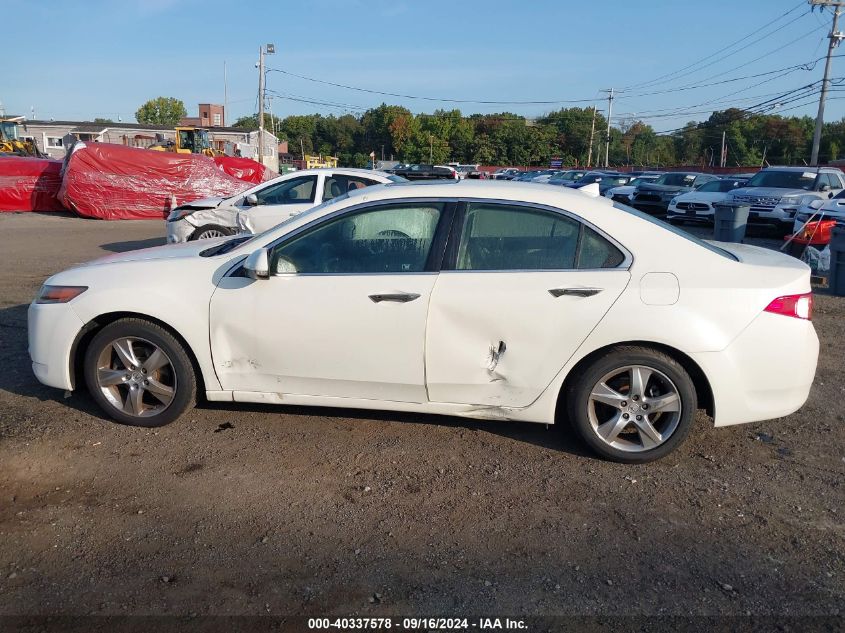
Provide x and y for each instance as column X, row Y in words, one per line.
column 161, row 111
column 102, row 120
column 250, row 122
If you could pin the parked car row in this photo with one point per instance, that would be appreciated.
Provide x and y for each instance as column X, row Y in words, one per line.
column 778, row 196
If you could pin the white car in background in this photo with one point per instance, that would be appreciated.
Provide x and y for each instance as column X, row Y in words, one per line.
column 267, row 204
column 488, row 300
column 833, row 209
column 625, row 193
column 698, row 205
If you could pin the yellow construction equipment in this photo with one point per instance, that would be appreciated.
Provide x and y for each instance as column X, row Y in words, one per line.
column 313, row 162
column 189, row 140
column 11, row 143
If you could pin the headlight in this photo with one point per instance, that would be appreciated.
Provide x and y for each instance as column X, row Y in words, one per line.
column 674, row 200
column 789, row 201
column 178, row 213
column 59, row 294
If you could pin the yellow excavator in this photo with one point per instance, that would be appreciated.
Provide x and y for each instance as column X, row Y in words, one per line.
column 11, row 143
column 314, row 162
column 189, row 140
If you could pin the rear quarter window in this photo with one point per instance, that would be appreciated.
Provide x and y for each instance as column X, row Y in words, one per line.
column 673, row 229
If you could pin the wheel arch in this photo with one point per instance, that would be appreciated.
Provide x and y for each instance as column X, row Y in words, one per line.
column 90, row 329
column 703, row 390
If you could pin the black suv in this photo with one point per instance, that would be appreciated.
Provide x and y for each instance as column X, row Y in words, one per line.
column 654, row 197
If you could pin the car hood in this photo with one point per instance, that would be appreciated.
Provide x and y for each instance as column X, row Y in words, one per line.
column 769, row 192
column 168, row 251
column 203, row 203
column 646, row 186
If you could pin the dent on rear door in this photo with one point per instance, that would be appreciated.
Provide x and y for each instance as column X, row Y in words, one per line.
column 499, row 339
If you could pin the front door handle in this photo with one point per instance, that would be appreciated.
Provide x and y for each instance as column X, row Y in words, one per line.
column 398, row 297
column 574, row 292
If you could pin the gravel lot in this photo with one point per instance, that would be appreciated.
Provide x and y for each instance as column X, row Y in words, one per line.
column 257, row 510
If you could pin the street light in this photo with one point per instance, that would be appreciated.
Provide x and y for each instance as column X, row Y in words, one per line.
column 269, row 49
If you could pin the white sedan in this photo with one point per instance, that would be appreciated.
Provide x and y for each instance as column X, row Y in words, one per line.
column 267, row 204
column 489, row 300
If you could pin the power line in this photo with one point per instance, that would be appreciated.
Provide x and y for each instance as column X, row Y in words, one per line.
column 728, row 47
column 421, row 98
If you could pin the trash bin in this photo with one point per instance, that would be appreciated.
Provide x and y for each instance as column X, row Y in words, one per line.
column 836, row 279
column 730, row 221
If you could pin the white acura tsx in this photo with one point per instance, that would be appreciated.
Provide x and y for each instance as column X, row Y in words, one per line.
column 490, row 300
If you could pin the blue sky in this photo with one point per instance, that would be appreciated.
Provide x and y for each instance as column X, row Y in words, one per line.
column 87, row 58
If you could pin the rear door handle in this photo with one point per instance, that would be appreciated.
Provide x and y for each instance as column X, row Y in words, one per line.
column 398, row 297
column 574, row 292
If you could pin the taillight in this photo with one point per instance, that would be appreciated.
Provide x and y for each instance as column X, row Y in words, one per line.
column 796, row 306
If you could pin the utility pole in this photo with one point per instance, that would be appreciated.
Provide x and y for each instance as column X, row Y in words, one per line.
column 723, row 157
column 269, row 49
column 835, row 37
column 592, row 134
column 609, row 115
column 225, row 93
column 430, row 149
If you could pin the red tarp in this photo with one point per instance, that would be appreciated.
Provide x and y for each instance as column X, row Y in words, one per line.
column 29, row 184
column 113, row 182
column 245, row 169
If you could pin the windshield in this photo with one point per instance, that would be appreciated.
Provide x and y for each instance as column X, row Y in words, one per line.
column 202, row 139
column 677, row 231
column 256, row 240
column 720, row 186
column 9, row 131
column 783, row 179
column 676, row 180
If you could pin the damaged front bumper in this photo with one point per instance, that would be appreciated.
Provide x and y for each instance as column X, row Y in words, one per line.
column 182, row 226
column 179, row 231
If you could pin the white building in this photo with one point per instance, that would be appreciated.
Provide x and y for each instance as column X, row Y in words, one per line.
column 50, row 137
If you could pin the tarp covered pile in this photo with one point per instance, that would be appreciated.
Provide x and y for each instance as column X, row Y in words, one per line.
column 114, row 182
column 245, row 169
column 29, row 184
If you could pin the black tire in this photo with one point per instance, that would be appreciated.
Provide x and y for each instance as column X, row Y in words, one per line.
column 202, row 233
column 578, row 405
column 178, row 375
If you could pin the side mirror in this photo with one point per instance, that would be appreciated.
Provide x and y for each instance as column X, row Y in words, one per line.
column 824, row 188
column 252, row 200
column 285, row 266
column 257, row 265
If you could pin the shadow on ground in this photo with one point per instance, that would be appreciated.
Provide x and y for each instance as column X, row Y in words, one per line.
column 133, row 245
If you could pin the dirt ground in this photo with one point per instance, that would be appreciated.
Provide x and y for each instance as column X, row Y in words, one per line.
column 257, row 510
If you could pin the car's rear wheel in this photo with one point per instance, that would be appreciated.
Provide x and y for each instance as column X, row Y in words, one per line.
column 210, row 231
column 633, row 405
column 139, row 373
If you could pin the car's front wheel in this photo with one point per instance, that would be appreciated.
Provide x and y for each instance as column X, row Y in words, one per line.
column 633, row 405
column 139, row 373
column 210, row 231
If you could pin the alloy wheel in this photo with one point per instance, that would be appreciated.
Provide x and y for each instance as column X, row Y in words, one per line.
column 136, row 377
column 634, row 408
column 210, row 234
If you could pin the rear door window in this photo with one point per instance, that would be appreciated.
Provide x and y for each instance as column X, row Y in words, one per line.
column 339, row 184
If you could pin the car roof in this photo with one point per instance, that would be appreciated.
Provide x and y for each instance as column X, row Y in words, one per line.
column 817, row 169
